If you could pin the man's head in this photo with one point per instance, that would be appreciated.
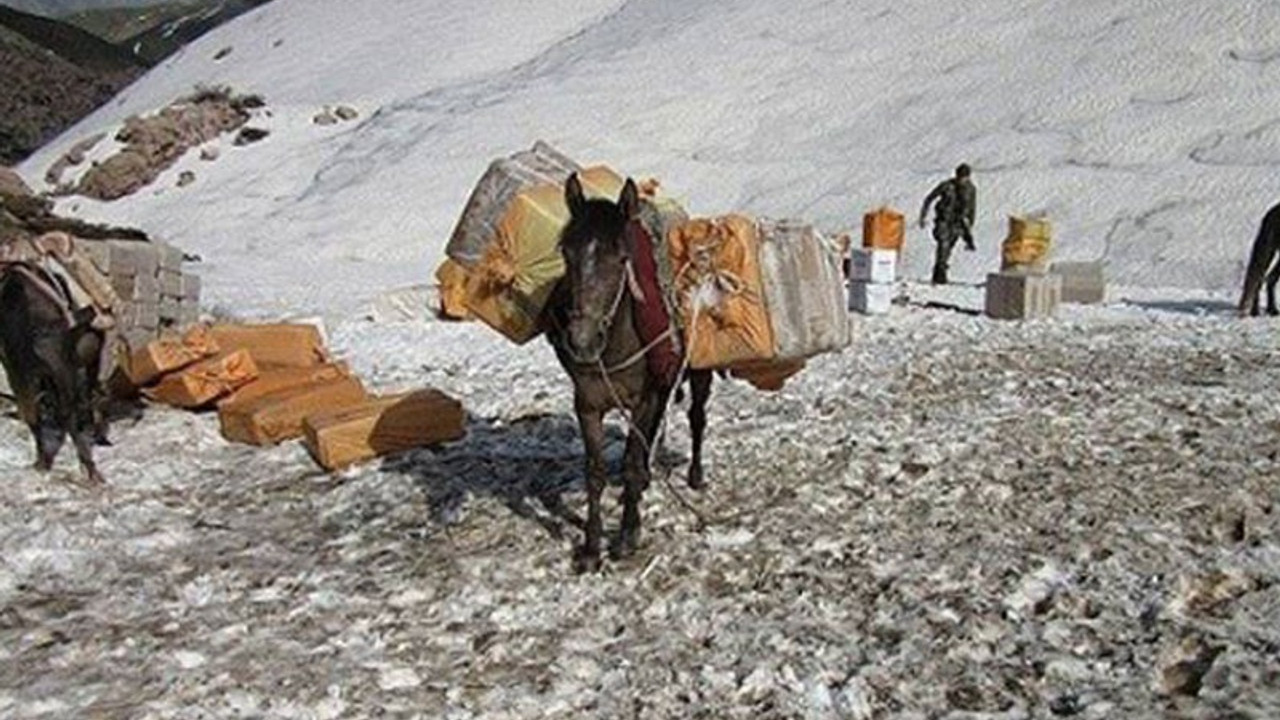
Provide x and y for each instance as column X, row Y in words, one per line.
column 962, row 170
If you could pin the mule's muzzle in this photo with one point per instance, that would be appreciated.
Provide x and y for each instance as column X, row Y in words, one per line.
column 587, row 339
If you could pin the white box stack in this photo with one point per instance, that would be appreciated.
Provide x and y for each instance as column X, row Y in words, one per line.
column 872, row 273
column 148, row 277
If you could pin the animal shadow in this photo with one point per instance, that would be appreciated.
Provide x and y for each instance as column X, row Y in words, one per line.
column 530, row 464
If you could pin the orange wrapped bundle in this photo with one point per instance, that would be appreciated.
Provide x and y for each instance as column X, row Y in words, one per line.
column 508, row 287
column 717, row 270
column 283, row 344
column 883, row 228
column 200, row 384
column 452, row 280
column 1027, row 245
column 277, row 416
column 170, row 353
column 383, row 425
column 274, row 379
column 767, row 374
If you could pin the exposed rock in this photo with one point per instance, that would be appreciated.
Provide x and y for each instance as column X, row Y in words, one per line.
column 152, row 144
column 1184, row 665
column 324, row 117
column 346, row 112
column 185, row 178
column 250, row 135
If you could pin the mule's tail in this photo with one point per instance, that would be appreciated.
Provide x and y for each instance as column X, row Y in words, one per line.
column 1265, row 247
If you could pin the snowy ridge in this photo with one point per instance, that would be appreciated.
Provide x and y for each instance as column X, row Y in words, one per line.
column 1146, row 132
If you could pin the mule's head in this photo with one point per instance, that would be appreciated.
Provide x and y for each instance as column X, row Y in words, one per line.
column 597, row 260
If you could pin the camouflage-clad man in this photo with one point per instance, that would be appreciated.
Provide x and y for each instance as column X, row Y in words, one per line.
column 952, row 218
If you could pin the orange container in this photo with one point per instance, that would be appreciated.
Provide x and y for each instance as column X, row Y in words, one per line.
column 883, row 228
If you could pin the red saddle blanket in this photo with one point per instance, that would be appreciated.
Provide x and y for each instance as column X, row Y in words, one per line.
column 650, row 312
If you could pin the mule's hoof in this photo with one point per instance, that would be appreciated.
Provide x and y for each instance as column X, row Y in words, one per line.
column 1273, row 312
column 695, row 481
column 42, row 465
column 93, row 477
column 102, row 441
column 627, row 545
column 585, row 561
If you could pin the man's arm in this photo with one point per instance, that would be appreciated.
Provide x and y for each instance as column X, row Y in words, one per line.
column 933, row 195
column 970, row 209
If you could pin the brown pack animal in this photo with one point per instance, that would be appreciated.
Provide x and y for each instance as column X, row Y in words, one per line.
column 50, row 356
column 591, row 323
column 1263, row 263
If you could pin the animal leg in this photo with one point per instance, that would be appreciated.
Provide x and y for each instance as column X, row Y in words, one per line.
column 1272, row 278
column 49, row 438
column 700, row 385
column 636, row 470
column 591, row 423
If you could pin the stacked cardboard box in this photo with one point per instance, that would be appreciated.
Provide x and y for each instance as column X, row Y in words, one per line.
column 1082, row 282
column 148, row 277
column 1022, row 296
column 872, row 274
column 271, row 382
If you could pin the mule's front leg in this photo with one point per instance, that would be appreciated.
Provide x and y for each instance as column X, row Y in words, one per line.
column 591, row 423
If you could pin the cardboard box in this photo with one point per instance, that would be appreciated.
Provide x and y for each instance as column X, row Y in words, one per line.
column 383, row 425
column 275, row 379
column 870, row 298
column 883, row 228
column 200, row 384
column 873, row 265
column 1022, row 296
column 278, row 415
column 284, row 345
column 168, row 354
column 1082, row 282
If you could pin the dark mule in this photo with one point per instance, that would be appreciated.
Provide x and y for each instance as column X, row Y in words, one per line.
column 1263, row 263
column 51, row 358
column 591, row 323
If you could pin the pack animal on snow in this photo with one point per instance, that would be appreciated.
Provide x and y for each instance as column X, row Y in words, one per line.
column 592, row 321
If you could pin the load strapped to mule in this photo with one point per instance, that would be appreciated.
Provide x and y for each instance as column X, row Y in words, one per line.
column 752, row 296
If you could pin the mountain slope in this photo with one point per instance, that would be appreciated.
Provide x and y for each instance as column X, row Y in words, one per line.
column 1147, row 133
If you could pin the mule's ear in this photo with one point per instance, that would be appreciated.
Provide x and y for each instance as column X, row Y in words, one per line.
column 573, row 196
column 629, row 201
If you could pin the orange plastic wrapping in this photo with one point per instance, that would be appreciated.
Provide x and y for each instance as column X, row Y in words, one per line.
column 883, row 228
column 767, row 374
column 275, row 379
column 200, row 384
column 1027, row 244
column 452, row 278
column 170, row 353
column 281, row 344
column 383, row 425
column 717, row 267
column 511, row 283
column 278, row 416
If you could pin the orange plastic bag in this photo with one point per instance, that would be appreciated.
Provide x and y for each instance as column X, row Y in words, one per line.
column 721, row 300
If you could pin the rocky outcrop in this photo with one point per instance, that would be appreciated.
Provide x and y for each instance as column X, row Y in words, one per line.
column 154, row 143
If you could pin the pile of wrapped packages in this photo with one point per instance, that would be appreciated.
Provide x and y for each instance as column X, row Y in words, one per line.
column 753, row 296
column 274, row 382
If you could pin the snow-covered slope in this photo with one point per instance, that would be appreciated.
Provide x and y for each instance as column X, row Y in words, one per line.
column 1148, row 132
